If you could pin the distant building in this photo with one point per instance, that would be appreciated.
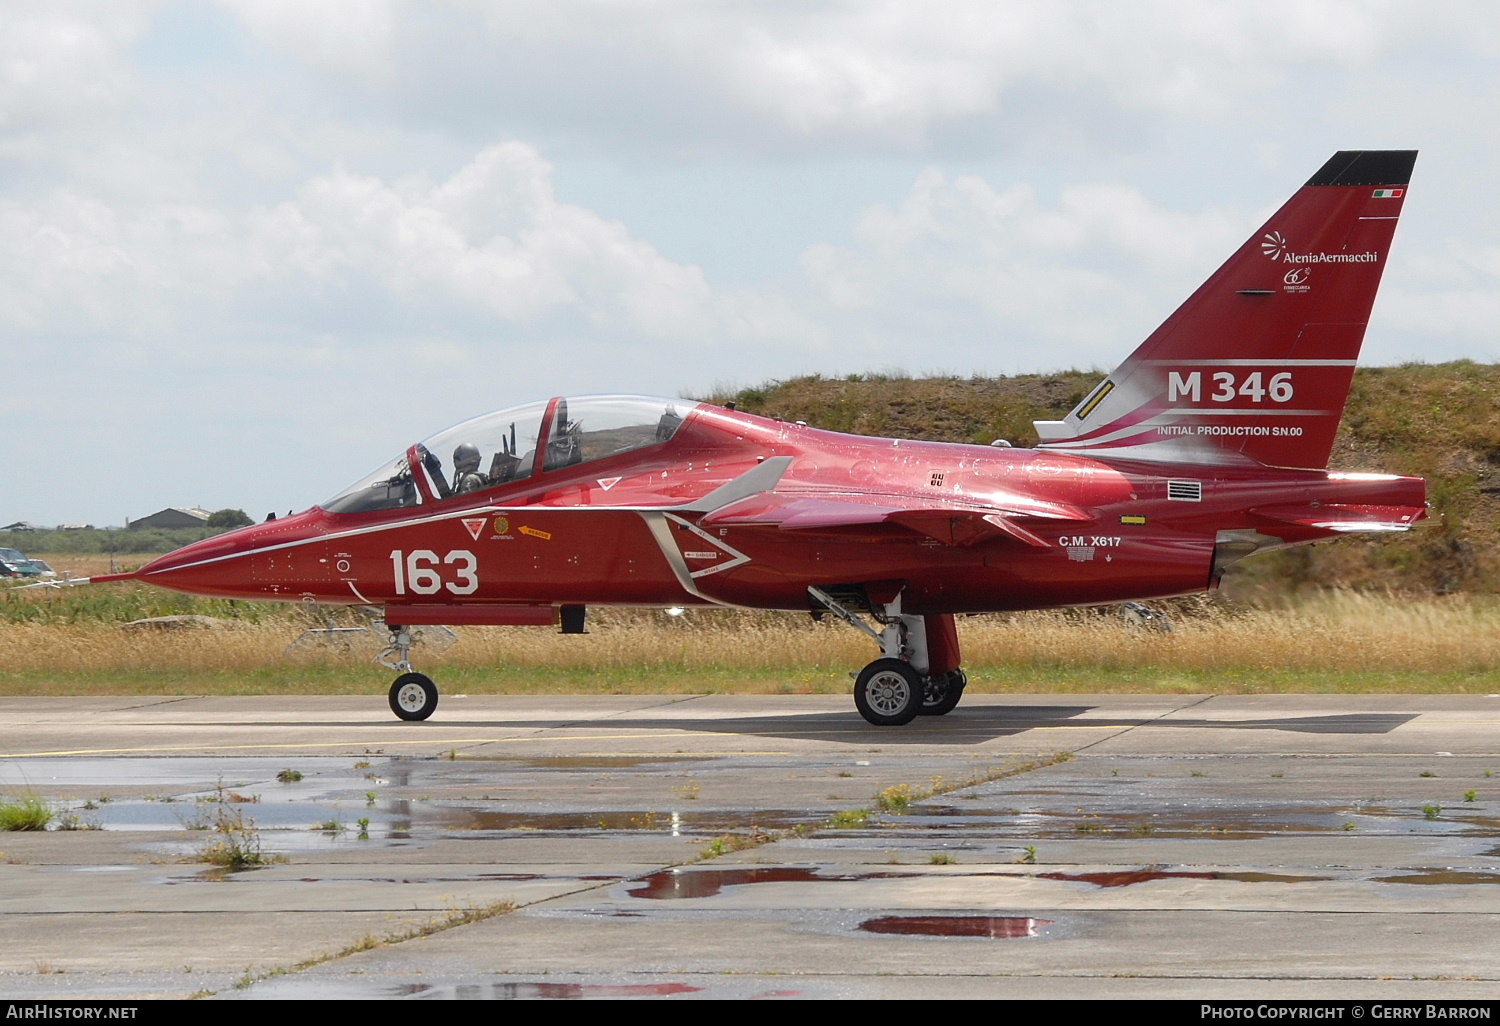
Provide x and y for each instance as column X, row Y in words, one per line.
column 22, row 525
column 170, row 518
column 75, row 527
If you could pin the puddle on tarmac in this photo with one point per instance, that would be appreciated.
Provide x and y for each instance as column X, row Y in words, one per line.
column 715, row 821
column 185, row 774
column 705, row 883
column 671, row 884
column 551, row 991
column 991, row 927
column 1441, row 876
column 708, row 882
column 1127, row 877
column 1236, row 824
column 310, row 824
column 219, row 875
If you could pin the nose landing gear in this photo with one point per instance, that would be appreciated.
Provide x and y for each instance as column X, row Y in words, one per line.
column 917, row 674
column 413, row 695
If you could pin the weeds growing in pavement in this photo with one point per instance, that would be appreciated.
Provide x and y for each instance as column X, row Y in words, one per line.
column 898, row 798
column 726, row 843
column 25, row 813
column 235, row 843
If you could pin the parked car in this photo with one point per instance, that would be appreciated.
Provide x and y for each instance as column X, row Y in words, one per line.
column 15, row 564
column 46, row 570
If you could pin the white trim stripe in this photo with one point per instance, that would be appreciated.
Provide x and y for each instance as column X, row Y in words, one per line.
column 487, row 511
column 1188, row 362
column 1241, row 412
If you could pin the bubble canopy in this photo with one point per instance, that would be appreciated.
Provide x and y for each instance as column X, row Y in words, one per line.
column 501, row 448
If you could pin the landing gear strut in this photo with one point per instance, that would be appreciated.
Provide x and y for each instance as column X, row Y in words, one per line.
column 917, row 674
column 413, row 695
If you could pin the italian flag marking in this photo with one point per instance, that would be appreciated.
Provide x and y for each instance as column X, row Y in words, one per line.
column 1388, row 193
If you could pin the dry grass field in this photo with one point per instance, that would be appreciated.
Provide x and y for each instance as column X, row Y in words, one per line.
column 1322, row 642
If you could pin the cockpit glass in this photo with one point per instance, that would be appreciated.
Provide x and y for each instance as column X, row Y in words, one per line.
column 484, row 452
column 498, row 448
column 592, row 427
column 390, row 487
column 478, row 453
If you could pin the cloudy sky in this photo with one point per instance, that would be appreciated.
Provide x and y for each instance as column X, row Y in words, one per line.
column 250, row 249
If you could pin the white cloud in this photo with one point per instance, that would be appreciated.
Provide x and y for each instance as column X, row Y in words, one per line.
column 346, row 37
column 747, row 76
column 1449, row 299
column 490, row 243
column 63, row 62
column 278, row 216
column 1012, row 280
column 493, row 242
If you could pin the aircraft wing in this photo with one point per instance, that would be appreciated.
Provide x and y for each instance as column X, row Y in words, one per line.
column 951, row 523
column 1345, row 517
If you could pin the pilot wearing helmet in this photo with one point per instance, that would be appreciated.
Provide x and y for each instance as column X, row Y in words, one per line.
column 466, row 475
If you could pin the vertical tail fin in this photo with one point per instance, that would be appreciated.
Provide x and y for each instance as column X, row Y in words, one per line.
column 1257, row 363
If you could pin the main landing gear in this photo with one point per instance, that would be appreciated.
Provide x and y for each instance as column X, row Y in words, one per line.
column 413, row 695
column 917, row 674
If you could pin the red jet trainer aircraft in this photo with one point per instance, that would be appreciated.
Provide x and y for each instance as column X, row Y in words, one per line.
column 1208, row 444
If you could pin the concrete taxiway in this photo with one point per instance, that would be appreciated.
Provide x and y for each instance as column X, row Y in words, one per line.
column 678, row 846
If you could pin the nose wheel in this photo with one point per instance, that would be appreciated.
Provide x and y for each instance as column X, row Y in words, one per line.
column 414, row 696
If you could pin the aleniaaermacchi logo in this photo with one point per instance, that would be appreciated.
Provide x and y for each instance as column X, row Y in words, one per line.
column 1275, row 246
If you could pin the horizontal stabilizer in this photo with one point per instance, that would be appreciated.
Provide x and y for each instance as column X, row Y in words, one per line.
column 1345, row 518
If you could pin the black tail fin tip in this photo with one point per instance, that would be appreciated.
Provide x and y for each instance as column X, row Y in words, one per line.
column 1367, row 167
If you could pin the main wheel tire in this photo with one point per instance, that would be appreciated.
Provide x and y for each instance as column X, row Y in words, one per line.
column 414, row 696
column 888, row 693
column 941, row 692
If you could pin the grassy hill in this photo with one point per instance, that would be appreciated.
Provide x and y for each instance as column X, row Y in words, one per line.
column 1441, row 422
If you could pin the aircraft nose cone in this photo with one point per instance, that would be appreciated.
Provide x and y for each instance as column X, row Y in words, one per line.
column 221, row 566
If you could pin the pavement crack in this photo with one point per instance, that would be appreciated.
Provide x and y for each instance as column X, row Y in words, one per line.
column 1143, row 723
